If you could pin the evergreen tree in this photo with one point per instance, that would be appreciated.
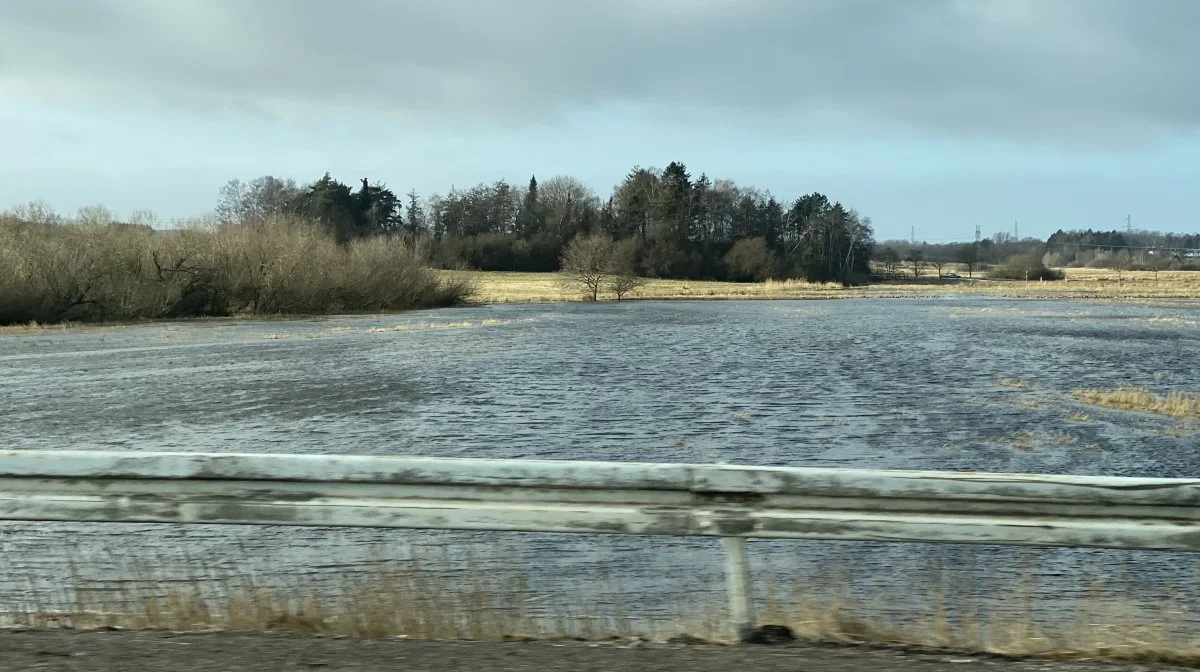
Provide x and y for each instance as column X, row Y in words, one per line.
column 415, row 222
column 701, row 225
column 530, row 222
column 673, row 213
column 330, row 204
column 379, row 210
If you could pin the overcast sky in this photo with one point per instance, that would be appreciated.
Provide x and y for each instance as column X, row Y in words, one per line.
column 933, row 114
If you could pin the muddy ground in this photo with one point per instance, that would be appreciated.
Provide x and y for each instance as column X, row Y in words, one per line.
column 64, row 651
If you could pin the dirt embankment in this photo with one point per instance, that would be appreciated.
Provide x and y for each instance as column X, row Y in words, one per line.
column 249, row 652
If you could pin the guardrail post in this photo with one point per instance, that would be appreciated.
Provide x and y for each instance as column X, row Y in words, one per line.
column 737, row 579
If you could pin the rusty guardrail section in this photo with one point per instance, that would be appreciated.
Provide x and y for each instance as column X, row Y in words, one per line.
column 728, row 501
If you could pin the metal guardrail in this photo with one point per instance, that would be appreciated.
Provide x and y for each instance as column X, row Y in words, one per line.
column 727, row 501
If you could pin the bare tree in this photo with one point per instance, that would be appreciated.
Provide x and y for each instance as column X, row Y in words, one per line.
column 36, row 212
column 262, row 197
column 1159, row 258
column 1121, row 263
column 1003, row 238
column 144, row 218
column 563, row 201
column 917, row 259
column 95, row 215
column 1159, row 262
column 890, row 259
column 587, row 261
column 623, row 268
column 969, row 254
column 938, row 263
column 621, row 285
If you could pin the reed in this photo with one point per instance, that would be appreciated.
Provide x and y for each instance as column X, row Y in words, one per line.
column 1174, row 404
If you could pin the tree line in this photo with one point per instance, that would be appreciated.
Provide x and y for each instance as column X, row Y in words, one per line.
column 665, row 223
column 1148, row 240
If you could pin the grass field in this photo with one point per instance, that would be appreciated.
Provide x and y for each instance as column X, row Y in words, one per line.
column 499, row 287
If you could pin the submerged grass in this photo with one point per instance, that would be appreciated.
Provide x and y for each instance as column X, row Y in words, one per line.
column 35, row 327
column 1023, row 441
column 1182, row 429
column 461, row 324
column 1173, row 404
column 412, row 599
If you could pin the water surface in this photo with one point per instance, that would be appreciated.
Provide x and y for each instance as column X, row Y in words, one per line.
column 889, row 383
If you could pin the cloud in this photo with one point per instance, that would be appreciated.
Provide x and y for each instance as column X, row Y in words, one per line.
column 1099, row 72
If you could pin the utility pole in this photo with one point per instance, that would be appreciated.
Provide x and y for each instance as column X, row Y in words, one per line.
column 913, row 235
column 978, row 235
column 1129, row 223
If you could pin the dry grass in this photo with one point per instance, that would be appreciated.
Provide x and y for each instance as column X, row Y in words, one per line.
column 1077, row 416
column 409, row 601
column 1014, row 383
column 1173, row 404
column 1101, row 627
column 500, row 287
column 35, row 327
column 1105, row 283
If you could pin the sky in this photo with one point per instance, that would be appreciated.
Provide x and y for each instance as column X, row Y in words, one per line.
column 928, row 116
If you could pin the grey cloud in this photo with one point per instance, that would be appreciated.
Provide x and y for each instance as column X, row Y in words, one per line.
column 1092, row 71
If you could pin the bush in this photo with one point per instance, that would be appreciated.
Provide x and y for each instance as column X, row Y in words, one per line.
column 496, row 252
column 750, row 260
column 1024, row 267
column 104, row 272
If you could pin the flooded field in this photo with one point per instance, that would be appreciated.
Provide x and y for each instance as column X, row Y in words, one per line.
column 954, row 383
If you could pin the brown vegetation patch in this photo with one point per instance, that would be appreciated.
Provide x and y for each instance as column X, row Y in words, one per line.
column 1089, row 284
column 280, row 266
column 1174, row 404
column 414, row 602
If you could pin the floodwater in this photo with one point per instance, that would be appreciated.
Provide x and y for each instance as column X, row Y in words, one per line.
column 892, row 383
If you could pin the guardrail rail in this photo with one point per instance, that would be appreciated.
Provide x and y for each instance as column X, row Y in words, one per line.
column 732, row 502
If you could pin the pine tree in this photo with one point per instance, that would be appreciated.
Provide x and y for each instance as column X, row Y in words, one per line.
column 414, row 224
column 530, row 221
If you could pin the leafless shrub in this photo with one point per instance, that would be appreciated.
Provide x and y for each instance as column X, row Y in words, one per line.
column 622, row 265
column 94, row 269
column 586, row 261
column 597, row 263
